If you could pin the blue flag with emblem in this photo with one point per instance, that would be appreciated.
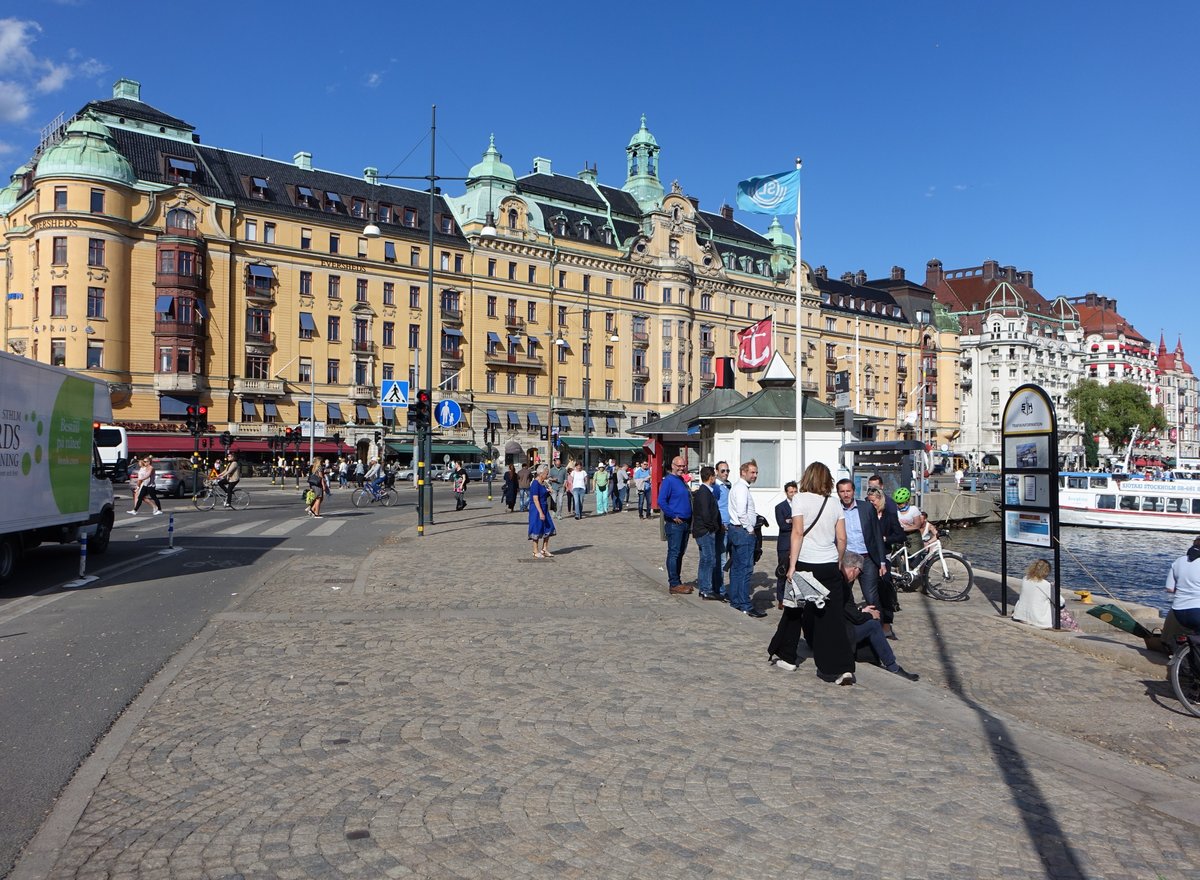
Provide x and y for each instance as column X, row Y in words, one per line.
column 770, row 194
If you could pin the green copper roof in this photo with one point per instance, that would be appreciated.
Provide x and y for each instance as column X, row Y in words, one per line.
column 643, row 136
column 88, row 150
column 777, row 236
column 492, row 165
column 943, row 319
column 8, row 195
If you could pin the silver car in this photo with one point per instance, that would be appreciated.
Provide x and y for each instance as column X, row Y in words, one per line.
column 174, row 477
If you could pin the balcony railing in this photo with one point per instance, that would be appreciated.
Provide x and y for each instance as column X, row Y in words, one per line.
column 363, row 392
column 966, row 382
column 641, row 374
column 809, row 387
column 831, row 363
column 641, row 340
column 452, row 354
column 363, row 346
column 901, row 369
column 454, row 316
column 706, row 346
column 260, row 337
column 183, row 232
column 504, row 359
column 170, row 382
column 512, row 322
column 708, row 378
column 260, row 294
column 178, row 328
column 247, row 387
column 172, row 279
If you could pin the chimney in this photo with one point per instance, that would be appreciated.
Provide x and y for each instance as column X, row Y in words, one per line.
column 991, row 270
column 695, row 202
column 303, row 161
column 371, row 176
column 934, row 274
column 541, row 166
column 727, row 212
column 821, row 272
column 127, row 88
column 1026, row 278
column 848, row 277
column 588, row 174
column 897, row 273
column 1010, row 274
column 860, row 277
column 725, row 374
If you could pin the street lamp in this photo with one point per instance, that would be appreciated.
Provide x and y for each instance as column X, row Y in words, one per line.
column 371, row 230
column 586, row 336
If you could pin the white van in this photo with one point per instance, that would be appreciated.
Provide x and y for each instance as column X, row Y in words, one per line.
column 112, row 442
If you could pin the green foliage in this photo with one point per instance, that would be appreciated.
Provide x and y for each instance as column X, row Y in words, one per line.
column 1113, row 411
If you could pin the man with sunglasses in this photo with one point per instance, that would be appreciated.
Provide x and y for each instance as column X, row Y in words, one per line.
column 720, row 490
column 675, row 502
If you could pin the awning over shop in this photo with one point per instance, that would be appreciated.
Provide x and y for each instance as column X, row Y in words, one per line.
column 514, row 420
column 305, row 410
column 174, row 406
column 608, row 444
column 405, row 448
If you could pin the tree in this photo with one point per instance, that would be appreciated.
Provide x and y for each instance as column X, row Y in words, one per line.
column 1114, row 410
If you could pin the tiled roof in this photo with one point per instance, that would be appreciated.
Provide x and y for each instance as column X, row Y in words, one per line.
column 575, row 222
column 622, row 202
column 561, row 187
column 1107, row 322
column 776, row 402
column 137, row 110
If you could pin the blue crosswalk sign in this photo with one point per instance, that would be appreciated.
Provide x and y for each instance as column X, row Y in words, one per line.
column 449, row 413
column 394, row 393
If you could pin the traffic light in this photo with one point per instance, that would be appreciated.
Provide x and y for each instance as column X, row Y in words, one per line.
column 191, row 419
column 226, row 439
column 202, row 420
column 96, row 432
column 287, row 438
column 420, row 409
column 378, row 438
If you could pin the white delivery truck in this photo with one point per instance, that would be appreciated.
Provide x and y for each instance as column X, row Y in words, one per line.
column 112, row 442
column 54, row 486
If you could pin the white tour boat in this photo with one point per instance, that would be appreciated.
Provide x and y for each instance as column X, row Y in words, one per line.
column 1119, row 501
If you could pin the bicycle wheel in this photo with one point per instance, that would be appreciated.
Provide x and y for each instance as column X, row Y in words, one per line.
column 240, row 499
column 386, row 498
column 204, row 499
column 949, row 578
column 360, row 497
column 1183, row 679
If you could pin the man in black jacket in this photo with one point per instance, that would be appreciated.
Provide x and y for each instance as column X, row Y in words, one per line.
column 707, row 530
column 863, row 537
column 863, row 624
column 783, row 544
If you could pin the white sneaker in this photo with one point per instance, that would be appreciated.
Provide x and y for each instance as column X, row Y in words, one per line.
column 783, row 664
column 158, row 513
column 845, row 678
column 131, row 512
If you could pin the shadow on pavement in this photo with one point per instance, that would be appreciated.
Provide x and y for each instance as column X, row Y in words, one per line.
column 1041, row 826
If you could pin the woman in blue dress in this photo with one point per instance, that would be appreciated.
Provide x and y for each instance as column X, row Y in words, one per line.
column 541, row 523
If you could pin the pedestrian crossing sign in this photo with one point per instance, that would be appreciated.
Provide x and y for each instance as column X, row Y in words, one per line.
column 394, row 394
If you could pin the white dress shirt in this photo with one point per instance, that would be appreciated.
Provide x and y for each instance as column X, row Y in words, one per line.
column 741, row 505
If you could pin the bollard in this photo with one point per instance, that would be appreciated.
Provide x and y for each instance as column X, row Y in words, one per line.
column 171, row 531
column 82, row 555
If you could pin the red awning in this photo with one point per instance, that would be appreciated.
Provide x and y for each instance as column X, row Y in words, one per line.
column 182, row 445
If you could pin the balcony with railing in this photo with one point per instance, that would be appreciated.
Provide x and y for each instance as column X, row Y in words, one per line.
column 709, row 379
column 364, row 392
column 514, row 323
column 810, row 388
column 259, row 337
column 640, row 339
column 259, row 387
column 257, row 294
column 641, row 373
column 182, row 282
column 901, row 369
column 707, row 346
column 171, row 327
column 967, row 383
column 451, row 355
column 516, row 359
column 169, row 383
column 363, row 347
column 452, row 316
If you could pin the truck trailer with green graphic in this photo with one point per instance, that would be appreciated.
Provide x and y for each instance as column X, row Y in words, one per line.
column 54, row 485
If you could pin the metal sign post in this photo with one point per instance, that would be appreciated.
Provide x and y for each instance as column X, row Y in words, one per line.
column 1029, row 479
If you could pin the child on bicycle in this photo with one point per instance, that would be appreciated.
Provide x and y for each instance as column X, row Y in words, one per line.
column 918, row 530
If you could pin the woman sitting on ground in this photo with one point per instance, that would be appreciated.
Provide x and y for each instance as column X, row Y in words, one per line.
column 1034, row 605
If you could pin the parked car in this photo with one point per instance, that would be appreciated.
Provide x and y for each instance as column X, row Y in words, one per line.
column 174, row 477
column 981, row 480
column 474, row 472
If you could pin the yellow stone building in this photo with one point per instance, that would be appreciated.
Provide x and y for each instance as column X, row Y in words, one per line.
column 189, row 274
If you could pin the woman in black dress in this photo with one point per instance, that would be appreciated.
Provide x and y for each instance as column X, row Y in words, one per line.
column 510, row 488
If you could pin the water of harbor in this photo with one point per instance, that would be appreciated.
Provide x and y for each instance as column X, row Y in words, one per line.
column 1132, row 565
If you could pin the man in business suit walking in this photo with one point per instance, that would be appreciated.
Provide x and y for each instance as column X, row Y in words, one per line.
column 864, row 537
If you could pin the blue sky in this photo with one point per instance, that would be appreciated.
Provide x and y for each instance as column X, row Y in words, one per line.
column 1058, row 137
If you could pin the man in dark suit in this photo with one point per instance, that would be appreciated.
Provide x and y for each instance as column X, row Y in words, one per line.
column 783, row 544
column 863, row 537
column 707, row 530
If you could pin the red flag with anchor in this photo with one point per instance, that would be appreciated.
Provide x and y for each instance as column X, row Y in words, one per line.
column 755, row 346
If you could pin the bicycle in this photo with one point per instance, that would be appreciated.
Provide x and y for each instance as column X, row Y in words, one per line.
column 206, row 498
column 1183, row 671
column 370, row 495
column 943, row 574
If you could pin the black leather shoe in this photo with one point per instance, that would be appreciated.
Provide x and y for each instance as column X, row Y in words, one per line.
column 711, row 597
column 903, row 673
column 754, row 612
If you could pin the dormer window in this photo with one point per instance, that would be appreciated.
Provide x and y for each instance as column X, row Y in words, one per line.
column 386, row 213
column 410, row 217
column 585, row 230
column 181, row 170
column 446, row 224
column 606, row 235
column 560, row 224
column 358, row 208
column 305, row 197
column 333, row 202
column 258, row 187
column 512, row 218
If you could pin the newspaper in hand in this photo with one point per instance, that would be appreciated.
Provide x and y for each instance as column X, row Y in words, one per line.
column 803, row 588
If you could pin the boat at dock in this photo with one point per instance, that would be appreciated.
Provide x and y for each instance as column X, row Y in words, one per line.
column 1120, row 501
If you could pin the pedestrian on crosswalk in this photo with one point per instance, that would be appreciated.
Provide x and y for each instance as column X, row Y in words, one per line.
column 319, row 485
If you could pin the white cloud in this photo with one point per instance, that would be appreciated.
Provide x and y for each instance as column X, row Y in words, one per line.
column 14, row 102
column 7, row 149
column 374, row 80
column 959, row 187
column 54, row 78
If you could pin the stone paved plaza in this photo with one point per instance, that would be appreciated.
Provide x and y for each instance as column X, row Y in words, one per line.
column 450, row 707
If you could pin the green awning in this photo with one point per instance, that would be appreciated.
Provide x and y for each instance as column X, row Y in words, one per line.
column 611, row 444
column 400, row 447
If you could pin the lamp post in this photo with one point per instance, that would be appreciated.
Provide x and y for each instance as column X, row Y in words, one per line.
column 424, row 439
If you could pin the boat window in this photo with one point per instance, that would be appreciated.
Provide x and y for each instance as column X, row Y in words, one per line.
column 1153, row 502
column 1129, row 502
column 1177, row 505
column 1106, row 502
column 1099, row 482
column 1196, row 505
column 1077, row 482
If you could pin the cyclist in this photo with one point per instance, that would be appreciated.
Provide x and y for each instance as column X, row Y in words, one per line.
column 374, row 476
column 917, row 529
column 229, row 477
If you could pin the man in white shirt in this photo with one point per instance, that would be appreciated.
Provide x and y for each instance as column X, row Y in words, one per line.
column 742, row 518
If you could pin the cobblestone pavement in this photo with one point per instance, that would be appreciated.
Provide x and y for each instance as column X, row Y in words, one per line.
column 450, row 707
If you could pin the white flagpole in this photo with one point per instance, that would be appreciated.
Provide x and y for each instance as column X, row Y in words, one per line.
column 799, row 334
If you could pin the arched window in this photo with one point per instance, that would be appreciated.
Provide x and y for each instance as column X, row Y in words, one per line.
column 512, row 218
column 178, row 218
column 675, row 213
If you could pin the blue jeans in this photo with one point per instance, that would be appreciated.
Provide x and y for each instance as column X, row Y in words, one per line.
column 707, row 545
column 643, row 503
column 718, row 582
column 741, row 547
column 677, row 541
column 872, row 631
column 578, row 494
column 523, row 498
column 1189, row 618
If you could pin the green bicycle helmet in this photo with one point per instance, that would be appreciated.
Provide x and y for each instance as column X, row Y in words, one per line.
column 901, row 495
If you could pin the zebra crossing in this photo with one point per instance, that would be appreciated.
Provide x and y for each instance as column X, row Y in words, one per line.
column 255, row 528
